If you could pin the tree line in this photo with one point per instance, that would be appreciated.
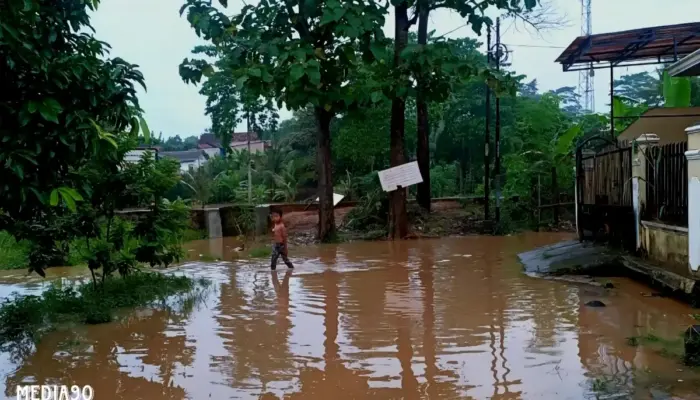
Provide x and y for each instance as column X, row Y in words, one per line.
column 332, row 56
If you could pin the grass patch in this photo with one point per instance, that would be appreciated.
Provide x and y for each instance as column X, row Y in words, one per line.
column 261, row 252
column 672, row 348
column 25, row 317
column 194, row 234
column 13, row 254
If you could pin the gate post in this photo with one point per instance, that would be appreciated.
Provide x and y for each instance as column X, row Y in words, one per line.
column 693, row 156
column 639, row 178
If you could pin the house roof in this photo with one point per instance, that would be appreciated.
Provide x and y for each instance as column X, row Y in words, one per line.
column 668, row 124
column 687, row 66
column 243, row 136
column 209, row 140
column 633, row 47
column 183, row 156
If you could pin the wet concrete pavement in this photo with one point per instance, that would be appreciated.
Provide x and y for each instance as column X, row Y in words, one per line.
column 444, row 318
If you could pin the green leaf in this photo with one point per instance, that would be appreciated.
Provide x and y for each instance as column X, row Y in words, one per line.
column 53, row 200
column 376, row 97
column 296, row 72
column 676, row 91
column 72, row 193
column 48, row 113
column 255, row 72
column 70, row 203
column 241, row 81
column 144, row 130
column 208, row 71
column 134, row 132
column 567, row 138
column 38, row 195
column 378, row 51
column 314, row 75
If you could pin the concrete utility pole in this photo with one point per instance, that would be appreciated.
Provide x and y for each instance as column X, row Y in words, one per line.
column 250, row 163
column 487, row 134
column 497, row 164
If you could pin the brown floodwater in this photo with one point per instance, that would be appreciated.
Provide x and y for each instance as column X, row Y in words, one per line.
column 445, row 318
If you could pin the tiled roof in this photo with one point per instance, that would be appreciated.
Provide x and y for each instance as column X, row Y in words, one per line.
column 182, row 156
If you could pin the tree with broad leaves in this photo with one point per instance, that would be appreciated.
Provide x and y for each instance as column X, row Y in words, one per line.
column 435, row 69
column 474, row 12
column 57, row 83
column 299, row 53
column 226, row 105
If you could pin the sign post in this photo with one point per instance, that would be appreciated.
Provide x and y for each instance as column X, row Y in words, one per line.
column 399, row 177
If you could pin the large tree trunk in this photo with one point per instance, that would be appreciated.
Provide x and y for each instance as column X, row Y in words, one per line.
column 398, row 223
column 326, row 218
column 423, row 132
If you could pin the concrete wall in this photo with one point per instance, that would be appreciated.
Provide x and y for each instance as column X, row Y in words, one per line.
column 666, row 244
column 255, row 146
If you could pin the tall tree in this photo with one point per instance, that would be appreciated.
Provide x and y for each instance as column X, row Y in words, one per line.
column 299, row 53
column 57, row 83
column 474, row 12
column 398, row 222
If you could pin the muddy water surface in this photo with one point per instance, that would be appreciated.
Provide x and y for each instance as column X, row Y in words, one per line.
column 447, row 318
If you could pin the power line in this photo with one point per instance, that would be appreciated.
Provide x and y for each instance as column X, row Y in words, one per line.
column 535, row 46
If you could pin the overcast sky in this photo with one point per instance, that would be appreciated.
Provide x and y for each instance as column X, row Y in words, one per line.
column 150, row 33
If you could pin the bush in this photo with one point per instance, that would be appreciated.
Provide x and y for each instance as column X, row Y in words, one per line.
column 28, row 317
column 443, row 180
column 13, row 254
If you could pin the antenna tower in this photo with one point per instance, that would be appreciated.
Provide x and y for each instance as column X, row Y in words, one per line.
column 585, row 77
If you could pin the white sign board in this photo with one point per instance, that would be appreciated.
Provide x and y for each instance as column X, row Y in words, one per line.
column 336, row 199
column 403, row 175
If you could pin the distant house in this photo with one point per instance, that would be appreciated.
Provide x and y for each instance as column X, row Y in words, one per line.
column 239, row 142
column 134, row 156
column 189, row 159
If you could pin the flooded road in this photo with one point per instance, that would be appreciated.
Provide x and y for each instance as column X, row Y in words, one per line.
column 445, row 318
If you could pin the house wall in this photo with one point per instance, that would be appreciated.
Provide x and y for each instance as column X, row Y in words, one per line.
column 255, row 146
column 212, row 152
column 186, row 165
column 666, row 244
column 134, row 156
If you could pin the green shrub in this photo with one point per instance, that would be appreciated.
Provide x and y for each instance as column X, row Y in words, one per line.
column 29, row 316
column 13, row 254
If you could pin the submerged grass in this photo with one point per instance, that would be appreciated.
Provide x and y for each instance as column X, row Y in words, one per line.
column 261, row 252
column 29, row 317
column 671, row 348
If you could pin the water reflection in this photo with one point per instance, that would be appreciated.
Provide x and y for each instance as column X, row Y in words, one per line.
column 449, row 318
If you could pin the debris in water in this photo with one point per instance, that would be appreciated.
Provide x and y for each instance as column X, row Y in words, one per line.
column 691, row 340
column 609, row 285
column 595, row 303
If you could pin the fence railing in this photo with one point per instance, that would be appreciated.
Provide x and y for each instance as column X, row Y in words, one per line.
column 607, row 177
column 667, row 184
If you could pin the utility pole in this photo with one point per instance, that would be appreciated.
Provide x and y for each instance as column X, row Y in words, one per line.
column 487, row 134
column 250, row 163
column 497, row 166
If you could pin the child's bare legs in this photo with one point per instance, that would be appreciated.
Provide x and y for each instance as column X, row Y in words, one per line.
column 277, row 251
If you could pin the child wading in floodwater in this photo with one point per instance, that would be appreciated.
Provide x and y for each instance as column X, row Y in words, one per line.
column 279, row 246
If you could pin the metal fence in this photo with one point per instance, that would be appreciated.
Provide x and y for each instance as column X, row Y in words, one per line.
column 667, row 184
